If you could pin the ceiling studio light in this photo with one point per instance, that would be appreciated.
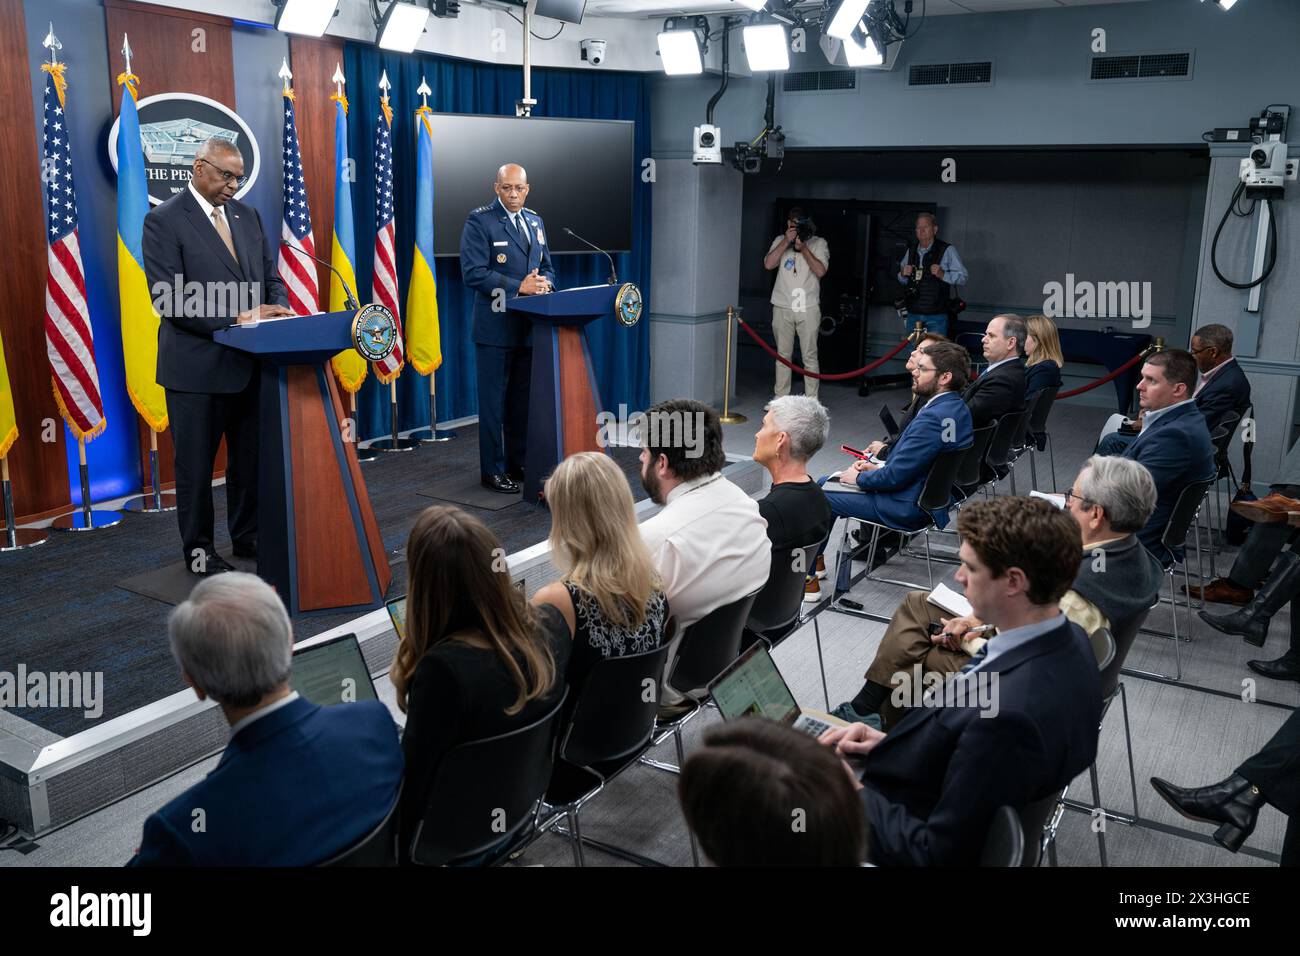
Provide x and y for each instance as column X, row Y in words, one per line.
column 862, row 51
column 401, row 26
column 766, row 47
column 305, row 17
column 1223, row 4
column 846, row 18
column 679, row 50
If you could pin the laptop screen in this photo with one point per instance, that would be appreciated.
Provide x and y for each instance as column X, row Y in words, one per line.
column 332, row 672
column 397, row 612
column 753, row 685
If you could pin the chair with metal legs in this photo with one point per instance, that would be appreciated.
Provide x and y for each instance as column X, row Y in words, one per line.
column 1039, row 820
column 778, row 611
column 1221, row 437
column 936, row 495
column 1040, row 439
column 611, row 727
column 1005, row 843
column 1181, row 521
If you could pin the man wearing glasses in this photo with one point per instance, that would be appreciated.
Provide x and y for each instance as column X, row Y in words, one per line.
column 504, row 253
column 207, row 253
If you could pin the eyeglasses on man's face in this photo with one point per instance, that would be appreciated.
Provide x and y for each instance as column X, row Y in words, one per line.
column 226, row 175
column 1083, row 502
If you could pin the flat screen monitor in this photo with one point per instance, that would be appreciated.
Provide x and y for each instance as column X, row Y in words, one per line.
column 570, row 11
column 581, row 173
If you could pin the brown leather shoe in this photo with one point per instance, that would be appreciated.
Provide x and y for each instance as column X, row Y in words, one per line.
column 1270, row 509
column 812, row 590
column 1222, row 591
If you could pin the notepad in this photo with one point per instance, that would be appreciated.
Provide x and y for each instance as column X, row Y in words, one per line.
column 1058, row 500
column 952, row 602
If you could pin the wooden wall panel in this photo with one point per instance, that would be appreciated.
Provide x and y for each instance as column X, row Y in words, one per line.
column 39, row 470
column 312, row 63
column 165, row 58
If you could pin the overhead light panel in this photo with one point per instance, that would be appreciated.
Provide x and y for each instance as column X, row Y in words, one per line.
column 305, row 17
column 753, row 4
column 766, row 47
column 846, row 17
column 1223, row 4
column 679, row 49
column 863, row 53
column 401, row 26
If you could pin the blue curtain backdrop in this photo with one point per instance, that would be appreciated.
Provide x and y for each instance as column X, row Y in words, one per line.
column 620, row 355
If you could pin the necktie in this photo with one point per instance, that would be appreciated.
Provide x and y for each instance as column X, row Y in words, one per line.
column 976, row 660
column 518, row 220
column 223, row 230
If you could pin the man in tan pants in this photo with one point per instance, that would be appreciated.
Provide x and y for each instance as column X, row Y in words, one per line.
column 800, row 258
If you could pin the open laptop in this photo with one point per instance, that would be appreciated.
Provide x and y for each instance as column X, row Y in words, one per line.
column 332, row 672
column 752, row 685
column 397, row 611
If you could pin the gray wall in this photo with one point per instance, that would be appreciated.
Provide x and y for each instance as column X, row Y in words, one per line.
column 1040, row 95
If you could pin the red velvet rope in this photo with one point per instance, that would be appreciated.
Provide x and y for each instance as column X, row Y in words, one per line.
column 1103, row 380
column 837, row 377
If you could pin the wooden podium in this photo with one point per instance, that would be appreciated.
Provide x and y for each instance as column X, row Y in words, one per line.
column 563, row 397
column 318, row 542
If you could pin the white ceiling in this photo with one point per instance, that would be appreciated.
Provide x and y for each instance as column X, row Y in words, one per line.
column 664, row 8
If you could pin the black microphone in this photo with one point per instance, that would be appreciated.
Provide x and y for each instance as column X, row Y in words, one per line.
column 352, row 299
column 613, row 273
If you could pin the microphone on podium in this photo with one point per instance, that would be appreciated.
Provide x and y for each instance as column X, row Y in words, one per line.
column 352, row 299
column 613, row 273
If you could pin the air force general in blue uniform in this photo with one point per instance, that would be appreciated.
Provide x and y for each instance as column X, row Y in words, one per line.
column 504, row 247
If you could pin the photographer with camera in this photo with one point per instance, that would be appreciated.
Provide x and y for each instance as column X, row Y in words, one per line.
column 796, row 295
column 930, row 272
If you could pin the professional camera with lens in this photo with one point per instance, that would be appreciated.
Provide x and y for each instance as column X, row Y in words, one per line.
column 804, row 227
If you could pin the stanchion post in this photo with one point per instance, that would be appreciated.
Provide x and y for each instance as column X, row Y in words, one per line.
column 435, row 434
column 393, row 442
column 157, row 501
column 15, row 538
column 89, row 518
column 363, row 454
column 729, row 417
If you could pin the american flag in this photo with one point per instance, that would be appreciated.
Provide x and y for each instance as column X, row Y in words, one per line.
column 384, row 285
column 297, row 271
column 68, row 340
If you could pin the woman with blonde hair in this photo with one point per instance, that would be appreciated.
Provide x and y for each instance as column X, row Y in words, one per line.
column 1043, row 358
column 476, row 660
column 610, row 594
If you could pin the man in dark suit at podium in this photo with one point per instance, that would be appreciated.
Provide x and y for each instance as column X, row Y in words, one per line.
column 203, row 243
column 504, row 253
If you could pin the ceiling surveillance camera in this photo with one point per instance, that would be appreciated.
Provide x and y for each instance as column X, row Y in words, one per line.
column 708, row 145
column 593, row 52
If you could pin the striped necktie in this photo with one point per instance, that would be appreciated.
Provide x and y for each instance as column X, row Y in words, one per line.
column 976, row 660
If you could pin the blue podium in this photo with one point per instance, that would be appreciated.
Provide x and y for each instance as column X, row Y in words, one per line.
column 563, row 397
column 318, row 541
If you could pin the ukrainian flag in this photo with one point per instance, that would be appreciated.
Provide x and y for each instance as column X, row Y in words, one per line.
column 8, row 420
column 423, row 338
column 139, row 320
column 349, row 366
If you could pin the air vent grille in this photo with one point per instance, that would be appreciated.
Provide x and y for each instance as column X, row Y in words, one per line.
column 1141, row 66
column 950, row 74
column 811, row 81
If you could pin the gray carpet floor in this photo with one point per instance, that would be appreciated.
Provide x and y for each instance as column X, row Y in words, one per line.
column 1187, row 735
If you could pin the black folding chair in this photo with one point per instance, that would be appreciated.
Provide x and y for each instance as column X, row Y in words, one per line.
column 1181, row 520
column 1040, row 439
column 376, row 848
column 778, row 611
column 612, row 726
column 1022, row 439
column 936, row 495
column 486, row 796
column 1005, row 843
column 1221, row 438
column 998, row 458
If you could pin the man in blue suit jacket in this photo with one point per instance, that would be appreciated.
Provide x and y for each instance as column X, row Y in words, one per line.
column 888, row 493
column 298, row 783
column 1174, row 443
column 504, row 253
column 1015, row 726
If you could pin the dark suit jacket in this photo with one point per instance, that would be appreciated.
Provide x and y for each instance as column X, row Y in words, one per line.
column 1176, row 449
column 486, row 239
column 932, row 785
column 943, row 425
column 293, row 788
column 1228, row 390
column 996, row 392
column 1045, row 374
column 179, row 240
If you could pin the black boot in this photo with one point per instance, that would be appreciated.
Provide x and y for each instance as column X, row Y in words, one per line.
column 1251, row 621
column 1286, row 667
column 1233, row 803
